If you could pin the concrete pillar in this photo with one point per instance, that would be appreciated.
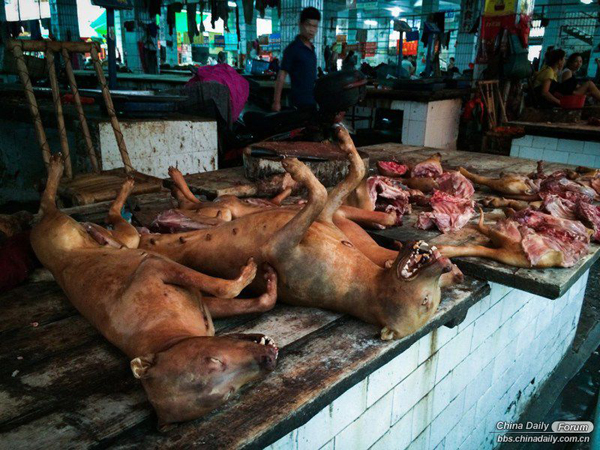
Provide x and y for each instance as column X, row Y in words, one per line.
column 131, row 53
column 290, row 18
column 466, row 45
column 595, row 53
column 65, row 25
column 167, row 39
column 427, row 8
column 554, row 12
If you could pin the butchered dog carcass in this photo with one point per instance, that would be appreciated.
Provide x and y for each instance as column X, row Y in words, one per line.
column 322, row 261
column 152, row 308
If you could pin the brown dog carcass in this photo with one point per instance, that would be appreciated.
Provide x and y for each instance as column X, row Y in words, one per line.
column 529, row 239
column 318, row 265
column 508, row 184
column 151, row 308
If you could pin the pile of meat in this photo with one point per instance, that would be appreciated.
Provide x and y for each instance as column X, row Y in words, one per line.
column 566, row 199
column 541, row 233
column 451, row 202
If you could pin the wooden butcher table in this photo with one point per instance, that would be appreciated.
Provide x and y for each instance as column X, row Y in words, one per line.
column 64, row 386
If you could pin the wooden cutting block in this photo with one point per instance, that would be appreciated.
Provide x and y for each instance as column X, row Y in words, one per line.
column 98, row 187
column 325, row 159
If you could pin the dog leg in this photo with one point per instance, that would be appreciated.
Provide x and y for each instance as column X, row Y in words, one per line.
column 355, row 176
column 123, row 231
column 179, row 181
column 368, row 218
column 220, row 307
column 173, row 273
column 182, row 201
column 290, row 235
column 55, row 171
column 281, row 196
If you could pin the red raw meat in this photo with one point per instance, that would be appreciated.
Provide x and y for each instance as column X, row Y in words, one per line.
column 389, row 195
column 391, row 168
column 590, row 216
column 428, row 168
column 455, row 183
column 560, row 185
column 542, row 233
column 449, row 213
column 559, row 207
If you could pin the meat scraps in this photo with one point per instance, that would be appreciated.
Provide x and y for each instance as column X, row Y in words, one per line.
column 428, row 168
column 579, row 209
column 560, row 185
column 449, row 213
column 542, row 233
column 391, row 168
column 456, row 184
column 389, row 195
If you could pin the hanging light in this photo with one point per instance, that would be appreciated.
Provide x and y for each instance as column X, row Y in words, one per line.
column 396, row 11
column 232, row 4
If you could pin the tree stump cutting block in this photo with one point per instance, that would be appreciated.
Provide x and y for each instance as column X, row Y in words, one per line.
column 325, row 159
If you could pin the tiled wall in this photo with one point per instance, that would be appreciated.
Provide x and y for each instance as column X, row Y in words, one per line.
column 450, row 388
column 65, row 24
column 568, row 151
column 153, row 146
column 433, row 124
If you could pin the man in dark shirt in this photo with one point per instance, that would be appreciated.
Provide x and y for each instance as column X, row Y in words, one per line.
column 300, row 62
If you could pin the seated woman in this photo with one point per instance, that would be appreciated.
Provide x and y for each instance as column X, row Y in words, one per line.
column 549, row 89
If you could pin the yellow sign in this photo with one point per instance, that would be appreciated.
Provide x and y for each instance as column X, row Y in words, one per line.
column 500, row 7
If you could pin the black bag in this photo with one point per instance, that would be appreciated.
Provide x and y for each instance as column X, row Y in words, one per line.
column 517, row 65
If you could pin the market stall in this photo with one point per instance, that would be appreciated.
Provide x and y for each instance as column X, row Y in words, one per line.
column 505, row 331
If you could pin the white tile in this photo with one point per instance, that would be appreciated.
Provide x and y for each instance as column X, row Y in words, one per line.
column 530, row 153
column 486, row 324
column 570, row 146
column 368, row 428
column 399, row 436
column 546, row 143
column 480, row 384
column 422, row 414
column 555, row 156
column 329, row 446
column 413, row 388
column 462, row 429
column 515, row 151
column 581, row 159
column 454, row 352
column 592, row 148
column 385, row 378
column 421, row 442
column 597, row 162
column 442, row 394
column 525, row 141
column 316, row 432
column 349, row 406
column 445, row 422
column 287, row 442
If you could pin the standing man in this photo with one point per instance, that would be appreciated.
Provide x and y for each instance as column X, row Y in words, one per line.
column 300, row 62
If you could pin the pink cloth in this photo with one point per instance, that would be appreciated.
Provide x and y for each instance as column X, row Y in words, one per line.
column 239, row 88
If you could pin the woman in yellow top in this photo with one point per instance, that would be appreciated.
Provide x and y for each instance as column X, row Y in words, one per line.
column 549, row 89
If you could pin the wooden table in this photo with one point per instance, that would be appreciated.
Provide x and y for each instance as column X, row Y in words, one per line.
column 64, row 386
column 577, row 131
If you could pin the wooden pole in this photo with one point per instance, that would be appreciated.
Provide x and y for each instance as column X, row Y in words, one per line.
column 62, row 131
column 55, row 46
column 84, row 126
column 111, row 110
column 29, row 95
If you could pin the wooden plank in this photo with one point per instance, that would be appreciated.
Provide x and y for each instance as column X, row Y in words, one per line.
column 64, row 378
column 221, row 182
column 311, row 374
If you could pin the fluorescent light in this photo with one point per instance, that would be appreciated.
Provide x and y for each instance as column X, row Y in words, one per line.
column 373, row 23
column 396, row 11
column 587, row 2
column 232, row 4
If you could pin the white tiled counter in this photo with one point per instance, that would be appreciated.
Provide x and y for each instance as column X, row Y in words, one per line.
column 552, row 149
column 450, row 388
column 429, row 119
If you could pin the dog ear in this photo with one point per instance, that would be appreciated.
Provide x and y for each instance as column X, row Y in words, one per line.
column 140, row 365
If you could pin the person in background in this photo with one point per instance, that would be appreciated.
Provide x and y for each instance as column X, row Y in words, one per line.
column 549, row 89
column 408, row 66
column 350, row 61
column 300, row 62
column 222, row 58
column 452, row 66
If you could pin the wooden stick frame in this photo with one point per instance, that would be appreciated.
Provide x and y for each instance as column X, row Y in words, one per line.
column 49, row 48
column 489, row 90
